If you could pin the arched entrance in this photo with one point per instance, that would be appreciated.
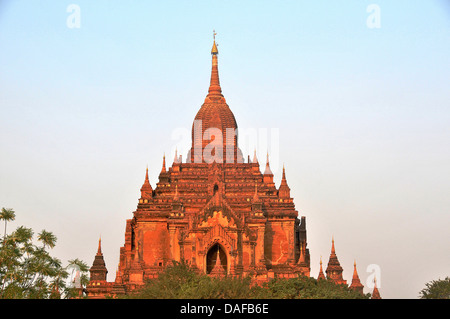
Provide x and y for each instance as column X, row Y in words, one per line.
column 213, row 264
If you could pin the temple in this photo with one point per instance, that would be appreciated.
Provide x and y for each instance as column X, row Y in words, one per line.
column 334, row 274
column 214, row 210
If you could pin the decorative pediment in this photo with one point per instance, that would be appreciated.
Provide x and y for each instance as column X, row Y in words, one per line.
column 218, row 234
column 218, row 204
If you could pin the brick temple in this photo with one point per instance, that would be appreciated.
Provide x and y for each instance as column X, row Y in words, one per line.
column 216, row 211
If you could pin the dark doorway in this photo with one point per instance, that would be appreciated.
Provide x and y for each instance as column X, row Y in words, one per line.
column 211, row 258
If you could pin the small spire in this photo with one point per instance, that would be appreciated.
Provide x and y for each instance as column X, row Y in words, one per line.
column 214, row 86
column 163, row 170
column 321, row 274
column 218, row 256
column 99, row 250
column 355, row 273
column 375, row 293
column 334, row 269
column 356, row 282
column 255, row 159
column 175, row 160
column 333, row 251
column 268, row 171
column 301, row 259
column 284, row 191
column 98, row 270
column 146, row 189
column 218, row 269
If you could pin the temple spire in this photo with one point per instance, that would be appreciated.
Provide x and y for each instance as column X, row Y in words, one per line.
column 355, row 272
column 333, row 251
column 321, row 274
column 175, row 160
column 284, row 191
column 375, row 293
column 146, row 189
column 255, row 159
column 163, row 170
column 218, row 270
column 218, row 257
column 98, row 270
column 214, row 87
column 302, row 258
column 356, row 282
column 334, row 269
column 268, row 175
column 283, row 180
column 99, row 250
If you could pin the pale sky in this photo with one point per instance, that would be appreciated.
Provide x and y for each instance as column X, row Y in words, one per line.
column 362, row 116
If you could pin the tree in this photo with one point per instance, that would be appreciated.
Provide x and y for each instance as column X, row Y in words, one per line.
column 47, row 238
column 28, row 271
column 436, row 289
column 7, row 214
column 181, row 281
column 303, row 287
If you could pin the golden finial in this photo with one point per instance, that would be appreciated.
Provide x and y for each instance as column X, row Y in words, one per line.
column 214, row 50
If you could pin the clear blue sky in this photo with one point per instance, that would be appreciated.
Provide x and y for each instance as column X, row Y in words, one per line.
column 362, row 113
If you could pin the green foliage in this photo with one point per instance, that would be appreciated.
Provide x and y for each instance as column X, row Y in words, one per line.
column 436, row 289
column 303, row 287
column 28, row 271
column 180, row 281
